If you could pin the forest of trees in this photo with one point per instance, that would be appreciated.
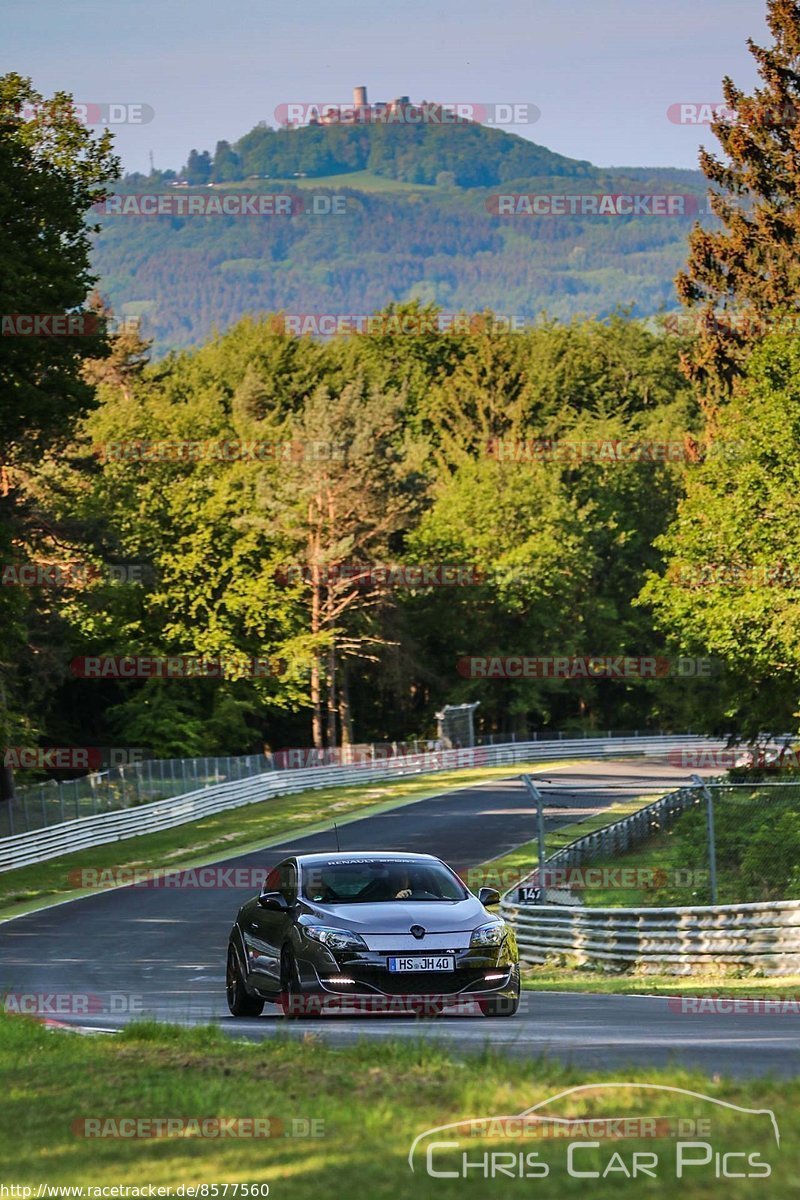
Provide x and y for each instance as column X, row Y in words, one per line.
column 472, row 154
column 418, row 224
column 187, row 277
column 265, row 495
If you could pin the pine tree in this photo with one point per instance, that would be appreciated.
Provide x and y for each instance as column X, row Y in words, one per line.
column 745, row 276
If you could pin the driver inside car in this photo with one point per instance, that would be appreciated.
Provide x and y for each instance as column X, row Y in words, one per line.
column 403, row 886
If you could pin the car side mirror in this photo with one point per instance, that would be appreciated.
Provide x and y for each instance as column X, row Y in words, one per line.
column 489, row 896
column 275, row 901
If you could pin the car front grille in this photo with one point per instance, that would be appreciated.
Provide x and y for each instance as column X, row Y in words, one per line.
column 417, row 983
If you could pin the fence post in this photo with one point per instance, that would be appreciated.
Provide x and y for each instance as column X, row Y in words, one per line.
column 712, row 846
column 537, row 797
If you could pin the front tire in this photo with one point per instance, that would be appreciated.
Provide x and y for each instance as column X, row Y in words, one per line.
column 292, row 995
column 240, row 1002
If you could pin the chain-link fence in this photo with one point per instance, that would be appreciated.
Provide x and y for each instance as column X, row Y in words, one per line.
column 734, row 842
column 125, row 786
column 747, row 837
column 562, row 735
column 39, row 805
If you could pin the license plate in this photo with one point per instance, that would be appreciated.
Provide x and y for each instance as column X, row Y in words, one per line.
column 431, row 962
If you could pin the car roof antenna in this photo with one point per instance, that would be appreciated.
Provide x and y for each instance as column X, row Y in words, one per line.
column 336, row 831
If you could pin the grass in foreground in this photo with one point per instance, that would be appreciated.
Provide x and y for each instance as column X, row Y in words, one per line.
column 369, row 1105
column 235, row 831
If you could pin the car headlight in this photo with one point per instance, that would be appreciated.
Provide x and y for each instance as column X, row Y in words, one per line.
column 488, row 935
column 335, row 939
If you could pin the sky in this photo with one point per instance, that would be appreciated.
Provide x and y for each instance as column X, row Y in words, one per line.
column 602, row 74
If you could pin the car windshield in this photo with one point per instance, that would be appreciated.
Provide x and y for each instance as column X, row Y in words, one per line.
column 373, row 882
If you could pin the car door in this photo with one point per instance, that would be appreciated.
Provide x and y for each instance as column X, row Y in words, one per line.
column 268, row 929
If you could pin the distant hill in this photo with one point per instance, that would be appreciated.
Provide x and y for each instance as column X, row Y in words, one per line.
column 418, row 222
column 473, row 154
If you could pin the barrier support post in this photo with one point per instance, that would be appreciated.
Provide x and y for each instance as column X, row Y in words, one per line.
column 712, row 845
column 536, row 795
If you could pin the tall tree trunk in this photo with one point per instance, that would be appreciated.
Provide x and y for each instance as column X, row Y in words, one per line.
column 332, row 697
column 6, row 773
column 316, row 689
column 345, row 712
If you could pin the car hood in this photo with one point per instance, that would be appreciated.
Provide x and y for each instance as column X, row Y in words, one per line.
column 397, row 916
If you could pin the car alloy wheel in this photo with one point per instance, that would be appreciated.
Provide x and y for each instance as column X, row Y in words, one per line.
column 240, row 1002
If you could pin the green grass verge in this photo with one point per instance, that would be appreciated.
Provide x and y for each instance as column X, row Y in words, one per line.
column 661, row 878
column 369, row 1106
column 757, row 835
column 554, row 978
column 236, row 831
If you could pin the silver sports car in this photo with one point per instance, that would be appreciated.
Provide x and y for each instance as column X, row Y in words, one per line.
column 374, row 933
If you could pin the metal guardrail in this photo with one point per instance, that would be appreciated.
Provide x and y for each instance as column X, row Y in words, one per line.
column 677, row 941
column 25, row 849
column 35, row 806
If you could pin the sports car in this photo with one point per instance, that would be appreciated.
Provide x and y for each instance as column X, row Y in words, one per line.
column 370, row 932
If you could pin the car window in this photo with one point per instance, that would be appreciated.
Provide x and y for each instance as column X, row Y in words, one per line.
column 288, row 884
column 374, row 882
column 273, row 881
column 283, row 879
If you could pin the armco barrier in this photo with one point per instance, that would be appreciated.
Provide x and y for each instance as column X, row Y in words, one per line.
column 673, row 941
column 26, row 848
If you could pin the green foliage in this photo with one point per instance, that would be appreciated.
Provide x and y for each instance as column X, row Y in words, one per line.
column 378, row 452
column 52, row 169
column 731, row 584
column 472, row 154
column 201, row 274
column 757, row 839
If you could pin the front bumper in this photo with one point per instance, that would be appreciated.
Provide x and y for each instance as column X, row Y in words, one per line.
column 478, row 971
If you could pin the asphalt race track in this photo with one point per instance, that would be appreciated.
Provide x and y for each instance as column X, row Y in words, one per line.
column 160, row 952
